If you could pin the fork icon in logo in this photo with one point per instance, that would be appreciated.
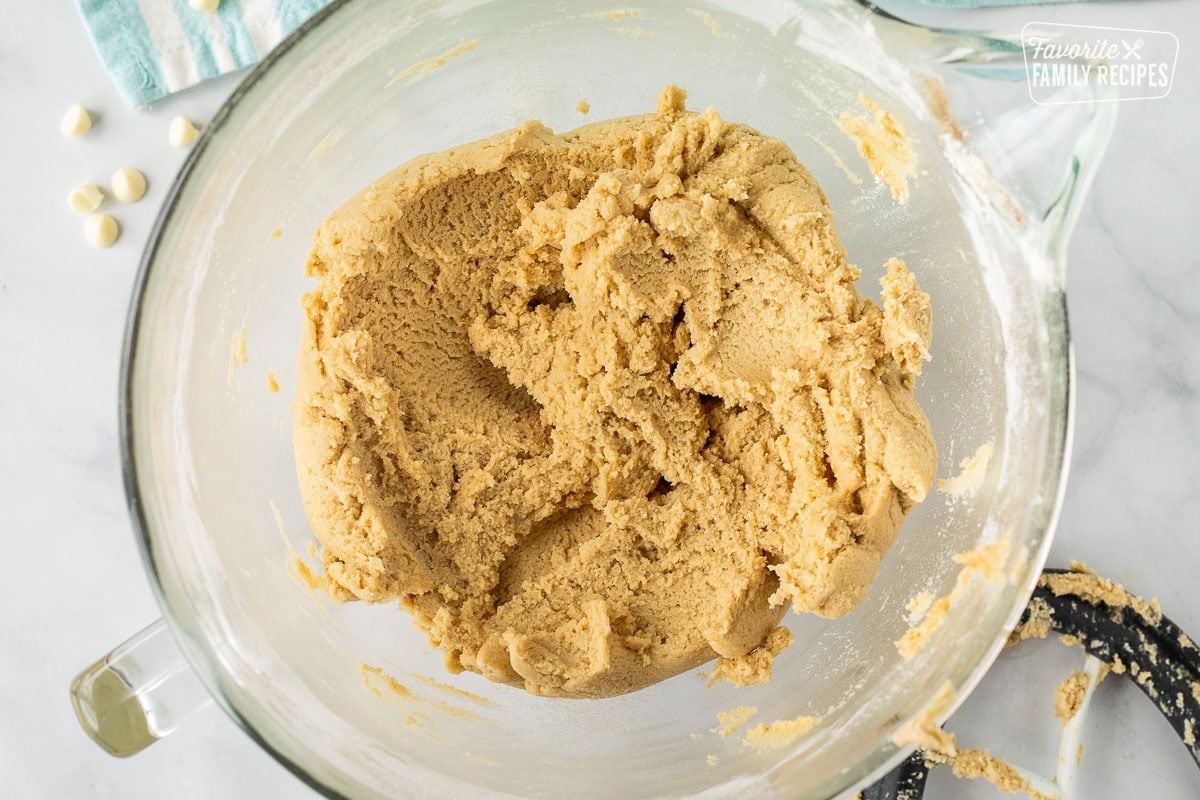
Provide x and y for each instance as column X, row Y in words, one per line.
column 1132, row 49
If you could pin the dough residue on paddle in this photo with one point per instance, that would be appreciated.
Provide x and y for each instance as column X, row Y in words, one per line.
column 597, row 407
column 1038, row 623
column 1071, row 698
column 1081, row 581
column 973, row 763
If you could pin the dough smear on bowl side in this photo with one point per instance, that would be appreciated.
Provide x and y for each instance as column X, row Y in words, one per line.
column 597, row 407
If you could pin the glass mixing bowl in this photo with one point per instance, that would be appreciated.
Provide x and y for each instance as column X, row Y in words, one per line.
column 350, row 697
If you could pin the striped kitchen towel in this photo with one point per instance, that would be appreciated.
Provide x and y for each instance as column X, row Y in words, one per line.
column 155, row 47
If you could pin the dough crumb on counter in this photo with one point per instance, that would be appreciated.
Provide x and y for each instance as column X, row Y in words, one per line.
column 1084, row 583
column 583, row 107
column 1069, row 696
column 599, row 407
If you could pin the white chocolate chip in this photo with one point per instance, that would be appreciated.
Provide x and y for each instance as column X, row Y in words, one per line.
column 101, row 230
column 204, row 5
column 85, row 198
column 128, row 185
column 182, row 132
column 76, row 121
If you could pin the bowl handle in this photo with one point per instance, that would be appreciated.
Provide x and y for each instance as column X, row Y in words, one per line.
column 137, row 694
column 1031, row 159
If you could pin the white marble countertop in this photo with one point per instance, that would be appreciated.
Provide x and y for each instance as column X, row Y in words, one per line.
column 75, row 585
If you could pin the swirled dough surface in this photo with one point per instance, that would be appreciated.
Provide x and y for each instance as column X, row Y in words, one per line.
column 598, row 407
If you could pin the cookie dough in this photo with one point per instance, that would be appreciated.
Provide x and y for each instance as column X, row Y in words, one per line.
column 1069, row 696
column 754, row 667
column 598, row 407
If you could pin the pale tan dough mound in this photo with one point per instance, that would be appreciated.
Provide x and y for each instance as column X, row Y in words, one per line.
column 596, row 407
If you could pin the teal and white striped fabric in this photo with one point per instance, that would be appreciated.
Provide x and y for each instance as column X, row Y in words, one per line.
column 155, row 47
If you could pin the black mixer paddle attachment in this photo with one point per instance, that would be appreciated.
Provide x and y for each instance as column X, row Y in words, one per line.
column 1121, row 634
